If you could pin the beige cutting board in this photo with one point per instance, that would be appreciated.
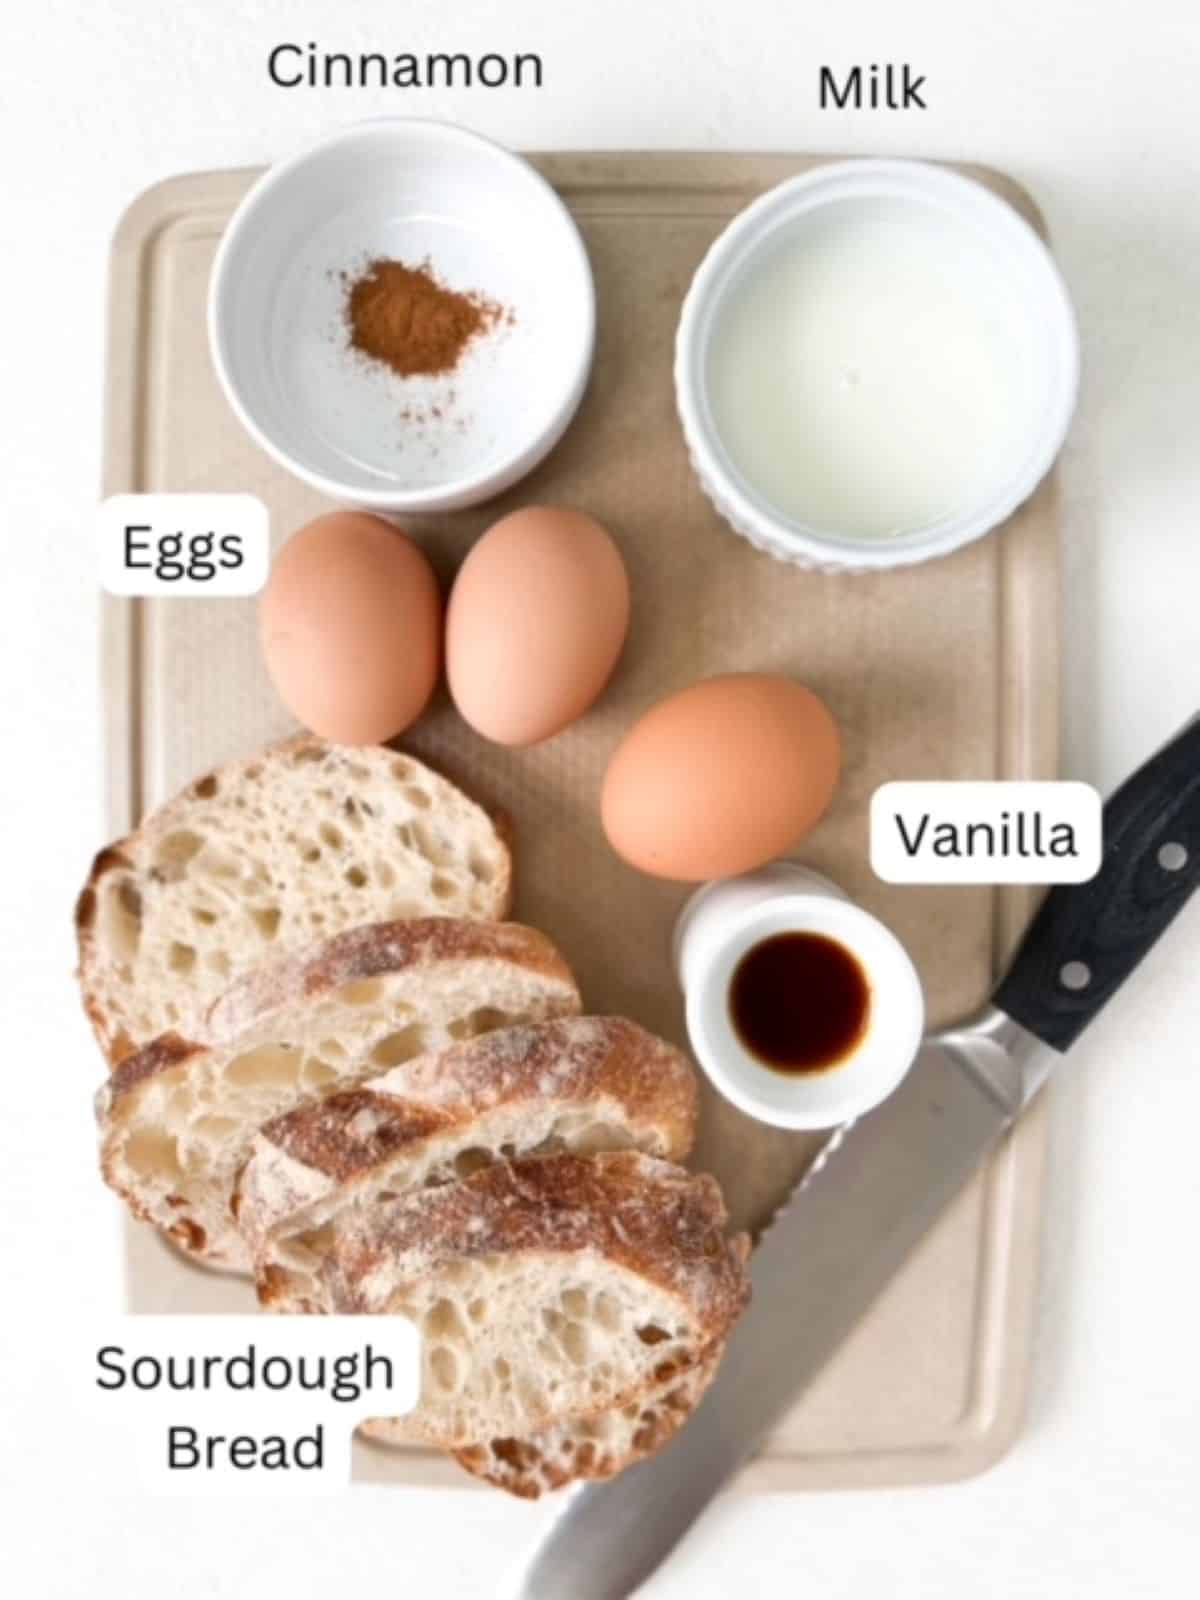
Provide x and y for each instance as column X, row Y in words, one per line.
column 940, row 671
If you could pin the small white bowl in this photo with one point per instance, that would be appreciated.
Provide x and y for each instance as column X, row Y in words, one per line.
column 991, row 234
column 721, row 922
column 413, row 191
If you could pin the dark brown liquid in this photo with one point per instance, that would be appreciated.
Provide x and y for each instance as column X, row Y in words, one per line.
column 799, row 1002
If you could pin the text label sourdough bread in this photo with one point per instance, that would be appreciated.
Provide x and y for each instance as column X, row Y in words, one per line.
column 308, row 66
column 205, row 1405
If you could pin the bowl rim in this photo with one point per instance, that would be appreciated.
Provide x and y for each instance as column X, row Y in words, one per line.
column 394, row 495
column 804, row 1103
column 740, row 240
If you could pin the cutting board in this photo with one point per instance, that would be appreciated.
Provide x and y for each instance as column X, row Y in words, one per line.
column 941, row 671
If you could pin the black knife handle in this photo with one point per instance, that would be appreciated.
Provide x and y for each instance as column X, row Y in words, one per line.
column 1088, row 937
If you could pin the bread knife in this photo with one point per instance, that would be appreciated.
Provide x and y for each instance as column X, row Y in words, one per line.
column 881, row 1181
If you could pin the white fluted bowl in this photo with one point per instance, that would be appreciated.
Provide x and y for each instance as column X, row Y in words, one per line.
column 1040, row 300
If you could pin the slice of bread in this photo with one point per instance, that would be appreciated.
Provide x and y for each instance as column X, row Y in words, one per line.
column 544, row 1289
column 178, row 1119
column 577, row 1083
column 586, row 1447
column 582, row 1084
column 262, row 858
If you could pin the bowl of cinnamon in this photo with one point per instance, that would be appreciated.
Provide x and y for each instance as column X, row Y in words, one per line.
column 403, row 316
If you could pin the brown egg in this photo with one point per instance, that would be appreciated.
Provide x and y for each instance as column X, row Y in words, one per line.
column 721, row 777
column 350, row 625
column 535, row 625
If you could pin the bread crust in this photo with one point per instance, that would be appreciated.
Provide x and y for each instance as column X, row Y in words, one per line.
column 160, row 1055
column 570, row 1059
column 164, row 1054
column 309, row 1166
column 328, row 1152
column 351, row 1132
column 543, row 1462
column 124, row 854
column 376, row 951
column 650, row 1217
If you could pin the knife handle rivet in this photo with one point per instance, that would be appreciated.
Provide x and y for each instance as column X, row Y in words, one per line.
column 1173, row 857
column 1075, row 975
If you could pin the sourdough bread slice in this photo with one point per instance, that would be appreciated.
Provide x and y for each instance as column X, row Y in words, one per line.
column 178, row 1119
column 586, row 1447
column 544, row 1289
column 576, row 1083
column 262, row 858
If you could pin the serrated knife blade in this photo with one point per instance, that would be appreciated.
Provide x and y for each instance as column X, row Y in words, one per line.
column 880, row 1182
column 870, row 1196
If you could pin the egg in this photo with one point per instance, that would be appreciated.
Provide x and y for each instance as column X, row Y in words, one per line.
column 350, row 628
column 536, row 623
column 721, row 777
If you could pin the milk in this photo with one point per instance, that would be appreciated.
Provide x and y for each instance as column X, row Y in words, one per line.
column 872, row 372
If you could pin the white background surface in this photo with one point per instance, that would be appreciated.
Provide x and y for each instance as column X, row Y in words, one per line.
column 1093, row 107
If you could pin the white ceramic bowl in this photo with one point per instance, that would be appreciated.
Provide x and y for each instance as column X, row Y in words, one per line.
column 1040, row 308
column 409, row 190
column 725, row 919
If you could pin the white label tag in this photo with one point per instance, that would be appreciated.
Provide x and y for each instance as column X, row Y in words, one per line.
column 202, row 1405
column 183, row 544
column 985, row 832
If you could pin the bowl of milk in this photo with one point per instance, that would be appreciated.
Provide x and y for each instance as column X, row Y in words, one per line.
column 877, row 362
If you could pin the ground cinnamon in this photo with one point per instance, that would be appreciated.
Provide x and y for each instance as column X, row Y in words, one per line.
column 404, row 317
